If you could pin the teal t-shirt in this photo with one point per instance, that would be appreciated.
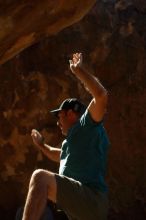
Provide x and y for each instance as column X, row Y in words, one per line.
column 84, row 153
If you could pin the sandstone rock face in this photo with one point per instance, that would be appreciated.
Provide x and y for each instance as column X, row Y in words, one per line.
column 25, row 22
column 112, row 38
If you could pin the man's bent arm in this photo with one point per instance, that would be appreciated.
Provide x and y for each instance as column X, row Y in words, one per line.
column 97, row 106
column 51, row 152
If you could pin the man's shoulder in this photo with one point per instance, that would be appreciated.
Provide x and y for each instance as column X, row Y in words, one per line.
column 86, row 119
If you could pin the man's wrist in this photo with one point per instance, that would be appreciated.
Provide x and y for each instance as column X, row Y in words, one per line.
column 41, row 145
column 77, row 70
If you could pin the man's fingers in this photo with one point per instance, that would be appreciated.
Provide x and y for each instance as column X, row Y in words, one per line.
column 75, row 60
column 35, row 134
column 34, row 131
column 77, row 55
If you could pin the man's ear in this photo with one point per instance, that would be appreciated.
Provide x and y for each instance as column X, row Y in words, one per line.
column 70, row 113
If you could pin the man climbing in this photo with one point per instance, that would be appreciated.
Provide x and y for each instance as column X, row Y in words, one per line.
column 79, row 189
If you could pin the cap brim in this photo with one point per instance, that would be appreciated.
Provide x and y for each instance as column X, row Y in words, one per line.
column 55, row 112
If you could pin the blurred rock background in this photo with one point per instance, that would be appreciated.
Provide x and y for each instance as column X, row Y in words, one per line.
column 112, row 38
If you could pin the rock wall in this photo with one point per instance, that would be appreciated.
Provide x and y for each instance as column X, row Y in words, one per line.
column 24, row 23
column 112, row 38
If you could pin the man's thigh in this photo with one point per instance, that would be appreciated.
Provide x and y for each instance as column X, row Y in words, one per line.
column 79, row 201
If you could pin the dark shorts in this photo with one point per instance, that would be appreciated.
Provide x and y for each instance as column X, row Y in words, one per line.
column 80, row 202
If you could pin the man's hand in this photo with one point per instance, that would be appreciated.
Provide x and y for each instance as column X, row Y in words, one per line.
column 37, row 138
column 76, row 62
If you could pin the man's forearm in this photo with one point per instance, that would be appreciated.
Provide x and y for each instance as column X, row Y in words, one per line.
column 51, row 152
column 91, row 83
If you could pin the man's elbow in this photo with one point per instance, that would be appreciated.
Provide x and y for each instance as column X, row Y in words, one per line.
column 103, row 94
column 102, row 98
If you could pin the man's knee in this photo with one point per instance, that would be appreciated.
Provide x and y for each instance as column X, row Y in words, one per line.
column 41, row 178
column 44, row 182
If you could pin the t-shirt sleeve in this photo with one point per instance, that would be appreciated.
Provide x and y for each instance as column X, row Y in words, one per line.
column 86, row 120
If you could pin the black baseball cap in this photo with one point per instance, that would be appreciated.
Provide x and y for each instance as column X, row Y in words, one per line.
column 71, row 103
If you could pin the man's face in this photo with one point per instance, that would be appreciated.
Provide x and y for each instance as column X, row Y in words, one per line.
column 65, row 120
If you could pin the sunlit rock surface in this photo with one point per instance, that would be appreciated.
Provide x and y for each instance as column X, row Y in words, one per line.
column 23, row 23
column 112, row 38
